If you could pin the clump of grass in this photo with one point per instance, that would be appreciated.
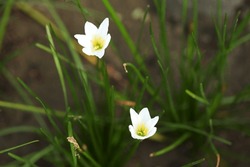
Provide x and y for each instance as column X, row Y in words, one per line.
column 92, row 130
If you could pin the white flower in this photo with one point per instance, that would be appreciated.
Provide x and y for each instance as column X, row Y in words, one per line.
column 95, row 40
column 142, row 125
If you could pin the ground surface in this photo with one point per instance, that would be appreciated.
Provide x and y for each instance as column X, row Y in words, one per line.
column 37, row 69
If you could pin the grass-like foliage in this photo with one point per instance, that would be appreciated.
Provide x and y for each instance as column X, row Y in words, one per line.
column 92, row 129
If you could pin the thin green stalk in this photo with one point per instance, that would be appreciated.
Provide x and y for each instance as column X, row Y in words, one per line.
column 153, row 92
column 168, row 94
column 125, row 34
column 83, row 11
column 214, row 104
column 219, row 11
column 73, row 150
column 61, row 57
column 21, row 159
column 141, row 93
column 109, row 91
column 50, row 115
column 132, row 150
column 82, row 75
column 240, row 41
column 58, row 65
column 195, row 19
column 138, row 41
column 156, row 50
column 4, row 20
column 138, row 74
column 163, row 32
column 243, row 24
column 196, row 97
column 39, row 154
column 184, row 13
column 195, row 163
column 13, row 81
column 91, row 159
column 175, row 144
column 210, row 139
column 19, row 146
column 28, row 108
column 18, row 129
column 197, row 131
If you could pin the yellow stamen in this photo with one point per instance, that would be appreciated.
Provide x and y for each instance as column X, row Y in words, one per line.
column 97, row 43
column 142, row 130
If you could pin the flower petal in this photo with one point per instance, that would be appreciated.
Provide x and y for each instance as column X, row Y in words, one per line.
column 144, row 115
column 99, row 53
column 87, row 51
column 152, row 122
column 151, row 132
column 134, row 117
column 90, row 28
column 83, row 40
column 107, row 40
column 103, row 28
column 132, row 131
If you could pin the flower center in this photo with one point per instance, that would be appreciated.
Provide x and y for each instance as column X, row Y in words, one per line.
column 97, row 43
column 141, row 130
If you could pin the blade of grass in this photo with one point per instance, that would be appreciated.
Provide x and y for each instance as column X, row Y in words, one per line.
column 164, row 49
column 91, row 159
column 168, row 94
column 79, row 65
column 73, row 150
column 58, row 65
column 19, row 146
column 242, row 25
column 196, row 97
column 198, row 131
column 14, row 83
column 125, row 35
column 61, row 57
column 140, row 77
column 212, row 144
column 240, row 41
column 194, row 163
column 138, row 41
column 21, row 159
column 172, row 146
column 39, row 154
column 18, row 129
column 4, row 20
column 28, row 108
column 50, row 115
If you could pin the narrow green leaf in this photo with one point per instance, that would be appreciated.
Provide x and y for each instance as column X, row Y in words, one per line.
column 28, row 108
column 4, row 19
column 125, row 34
column 58, row 65
column 18, row 129
column 19, row 146
column 194, row 163
column 172, row 146
column 196, row 97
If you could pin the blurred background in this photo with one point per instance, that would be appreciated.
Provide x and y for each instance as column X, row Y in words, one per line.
column 19, row 57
